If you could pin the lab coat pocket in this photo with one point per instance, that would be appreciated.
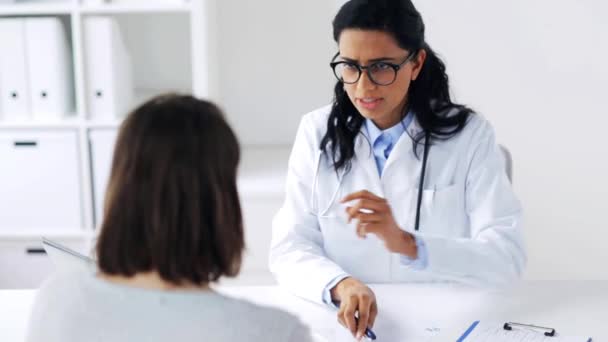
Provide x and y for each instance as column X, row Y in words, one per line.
column 331, row 214
column 333, row 219
column 328, row 205
column 441, row 209
column 342, row 245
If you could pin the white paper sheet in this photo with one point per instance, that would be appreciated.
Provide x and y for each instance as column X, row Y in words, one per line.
column 386, row 331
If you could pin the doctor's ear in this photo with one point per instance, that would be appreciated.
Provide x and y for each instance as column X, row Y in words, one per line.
column 417, row 63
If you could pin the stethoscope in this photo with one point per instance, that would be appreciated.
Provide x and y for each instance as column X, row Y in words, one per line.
column 323, row 214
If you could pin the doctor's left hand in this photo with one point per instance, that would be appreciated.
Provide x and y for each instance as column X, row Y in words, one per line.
column 374, row 216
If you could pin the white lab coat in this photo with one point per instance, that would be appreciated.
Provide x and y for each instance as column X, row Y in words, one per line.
column 470, row 217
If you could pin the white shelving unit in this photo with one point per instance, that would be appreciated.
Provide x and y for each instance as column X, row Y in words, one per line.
column 172, row 46
column 32, row 9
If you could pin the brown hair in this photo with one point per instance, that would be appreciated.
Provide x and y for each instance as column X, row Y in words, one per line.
column 172, row 204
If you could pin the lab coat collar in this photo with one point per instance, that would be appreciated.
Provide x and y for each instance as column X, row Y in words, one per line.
column 403, row 148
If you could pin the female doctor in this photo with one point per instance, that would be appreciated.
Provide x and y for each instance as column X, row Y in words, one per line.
column 393, row 182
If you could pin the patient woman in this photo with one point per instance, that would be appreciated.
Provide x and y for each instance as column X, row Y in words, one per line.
column 172, row 226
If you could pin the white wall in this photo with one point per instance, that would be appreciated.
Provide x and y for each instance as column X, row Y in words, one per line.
column 274, row 65
column 538, row 70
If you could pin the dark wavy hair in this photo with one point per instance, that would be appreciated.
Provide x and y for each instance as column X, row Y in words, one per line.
column 429, row 95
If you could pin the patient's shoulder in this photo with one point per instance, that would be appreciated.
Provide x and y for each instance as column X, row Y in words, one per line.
column 269, row 321
column 68, row 283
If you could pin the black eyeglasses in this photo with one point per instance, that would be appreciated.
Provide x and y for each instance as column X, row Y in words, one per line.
column 380, row 73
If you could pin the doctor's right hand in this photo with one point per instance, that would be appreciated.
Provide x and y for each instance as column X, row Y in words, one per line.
column 355, row 298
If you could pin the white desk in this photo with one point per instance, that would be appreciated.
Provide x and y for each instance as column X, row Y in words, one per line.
column 573, row 308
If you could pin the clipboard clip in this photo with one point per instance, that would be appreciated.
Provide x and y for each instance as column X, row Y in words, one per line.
column 547, row 331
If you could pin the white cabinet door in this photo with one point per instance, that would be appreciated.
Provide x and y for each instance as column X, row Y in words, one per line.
column 102, row 150
column 39, row 181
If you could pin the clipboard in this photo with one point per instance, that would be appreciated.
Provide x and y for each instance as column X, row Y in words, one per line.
column 66, row 259
column 515, row 332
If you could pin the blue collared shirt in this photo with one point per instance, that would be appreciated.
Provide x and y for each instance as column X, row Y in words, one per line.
column 383, row 142
column 382, row 145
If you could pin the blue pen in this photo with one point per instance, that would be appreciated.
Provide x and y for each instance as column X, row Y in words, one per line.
column 368, row 332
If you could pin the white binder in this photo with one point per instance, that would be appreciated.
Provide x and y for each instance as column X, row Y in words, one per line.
column 14, row 97
column 108, row 69
column 50, row 68
column 101, row 142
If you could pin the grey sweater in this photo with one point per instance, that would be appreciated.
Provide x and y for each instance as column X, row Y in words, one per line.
column 77, row 307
